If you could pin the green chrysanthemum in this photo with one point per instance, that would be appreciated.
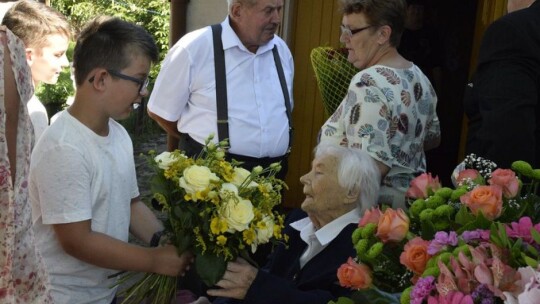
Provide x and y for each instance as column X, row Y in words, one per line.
column 522, row 167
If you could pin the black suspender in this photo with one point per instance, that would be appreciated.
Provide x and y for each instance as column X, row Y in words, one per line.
column 221, row 87
column 285, row 93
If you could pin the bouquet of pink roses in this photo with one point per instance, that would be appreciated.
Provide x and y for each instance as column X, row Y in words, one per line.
column 454, row 245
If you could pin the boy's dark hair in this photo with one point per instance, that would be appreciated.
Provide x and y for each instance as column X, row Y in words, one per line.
column 110, row 43
column 32, row 22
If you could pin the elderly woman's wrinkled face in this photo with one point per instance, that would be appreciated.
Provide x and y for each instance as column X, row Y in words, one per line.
column 323, row 193
column 360, row 39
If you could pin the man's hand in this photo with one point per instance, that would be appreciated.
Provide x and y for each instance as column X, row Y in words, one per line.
column 236, row 281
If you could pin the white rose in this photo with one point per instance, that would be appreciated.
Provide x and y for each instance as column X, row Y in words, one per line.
column 238, row 212
column 265, row 230
column 165, row 160
column 240, row 175
column 197, row 178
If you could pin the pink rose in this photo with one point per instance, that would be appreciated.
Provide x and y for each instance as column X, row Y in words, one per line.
column 487, row 199
column 508, row 181
column 467, row 174
column 354, row 275
column 393, row 225
column 371, row 216
column 422, row 185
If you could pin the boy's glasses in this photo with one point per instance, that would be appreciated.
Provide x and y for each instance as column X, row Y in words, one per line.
column 143, row 84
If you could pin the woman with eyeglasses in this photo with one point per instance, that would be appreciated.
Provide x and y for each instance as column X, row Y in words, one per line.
column 389, row 110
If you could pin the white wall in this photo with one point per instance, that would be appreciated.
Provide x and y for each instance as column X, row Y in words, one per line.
column 201, row 13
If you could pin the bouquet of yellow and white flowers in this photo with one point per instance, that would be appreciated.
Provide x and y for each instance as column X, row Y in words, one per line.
column 216, row 209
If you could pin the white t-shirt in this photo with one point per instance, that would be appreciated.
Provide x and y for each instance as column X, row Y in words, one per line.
column 76, row 175
column 185, row 91
column 38, row 116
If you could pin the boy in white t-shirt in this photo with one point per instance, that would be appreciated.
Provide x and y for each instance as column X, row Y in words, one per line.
column 46, row 34
column 83, row 186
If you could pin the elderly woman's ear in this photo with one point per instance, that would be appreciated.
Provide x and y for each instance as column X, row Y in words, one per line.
column 352, row 196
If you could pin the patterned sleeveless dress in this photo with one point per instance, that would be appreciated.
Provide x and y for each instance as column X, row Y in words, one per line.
column 22, row 275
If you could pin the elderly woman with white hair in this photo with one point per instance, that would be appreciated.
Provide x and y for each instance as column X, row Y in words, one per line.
column 342, row 184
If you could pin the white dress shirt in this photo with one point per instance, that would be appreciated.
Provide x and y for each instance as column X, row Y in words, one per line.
column 185, row 92
column 317, row 240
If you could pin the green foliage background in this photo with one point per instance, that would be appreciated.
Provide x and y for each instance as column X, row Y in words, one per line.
column 153, row 15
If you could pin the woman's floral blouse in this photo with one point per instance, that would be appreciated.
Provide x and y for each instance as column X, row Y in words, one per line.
column 389, row 113
column 22, row 276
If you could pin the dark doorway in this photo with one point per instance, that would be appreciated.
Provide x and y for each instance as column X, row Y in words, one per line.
column 443, row 49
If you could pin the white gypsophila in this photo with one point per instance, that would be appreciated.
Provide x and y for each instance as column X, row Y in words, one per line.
column 240, row 175
column 197, row 178
column 237, row 211
column 165, row 160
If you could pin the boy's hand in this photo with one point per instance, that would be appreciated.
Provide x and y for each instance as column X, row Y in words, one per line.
column 167, row 261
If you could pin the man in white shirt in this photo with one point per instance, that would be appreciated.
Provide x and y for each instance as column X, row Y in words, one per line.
column 183, row 100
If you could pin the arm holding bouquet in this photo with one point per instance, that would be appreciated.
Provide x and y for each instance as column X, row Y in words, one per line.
column 341, row 184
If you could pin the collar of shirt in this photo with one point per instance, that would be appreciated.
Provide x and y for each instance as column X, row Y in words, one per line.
column 328, row 232
column 317, row 240
column 230, row 39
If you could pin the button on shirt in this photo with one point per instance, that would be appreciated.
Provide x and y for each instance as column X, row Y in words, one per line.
column 317, row 240
column 185, row 92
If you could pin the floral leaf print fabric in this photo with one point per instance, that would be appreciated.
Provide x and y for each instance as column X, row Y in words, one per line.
column 22, row 276
column 388, row 113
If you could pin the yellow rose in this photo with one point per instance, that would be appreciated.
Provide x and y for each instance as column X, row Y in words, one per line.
column 237, row 212
column 196, row 179
column 165, row 160
column 240, row 175
column 265, row 230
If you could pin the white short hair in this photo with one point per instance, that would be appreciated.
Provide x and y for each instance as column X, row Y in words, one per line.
column 356, row 171
column 231, row 2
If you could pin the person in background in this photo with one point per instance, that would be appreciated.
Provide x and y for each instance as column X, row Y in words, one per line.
column 502, row 103
column 22, row 275
column 183, row 100
column 420, row 42
column 342, row 184
column 389, row 110
column 83, row 185
column 46, row 34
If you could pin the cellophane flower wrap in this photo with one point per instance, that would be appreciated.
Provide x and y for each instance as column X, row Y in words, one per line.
column 216, row 209
column 477, row 242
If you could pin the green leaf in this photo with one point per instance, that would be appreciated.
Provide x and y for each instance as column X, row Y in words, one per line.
column 183, row 241
column 342, row 300
column 533, row 251
column 494, row 236
column 529, row 261
column 210, row 268
column 428, row 230
column 375, row 296
column 535, row 235
column 463, row 217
